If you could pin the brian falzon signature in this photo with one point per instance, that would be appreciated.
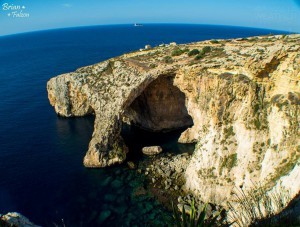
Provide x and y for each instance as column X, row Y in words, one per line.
column 15, row 11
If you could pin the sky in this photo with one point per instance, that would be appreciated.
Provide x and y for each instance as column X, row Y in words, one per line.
column 17, row 16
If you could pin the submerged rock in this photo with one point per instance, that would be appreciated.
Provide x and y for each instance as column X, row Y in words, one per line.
column 153, row 150
column 140, row 191
column 117, row 183
column 131, row 165
column 107, row 181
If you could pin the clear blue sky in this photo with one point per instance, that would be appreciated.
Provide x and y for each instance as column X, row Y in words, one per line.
column 47, row 14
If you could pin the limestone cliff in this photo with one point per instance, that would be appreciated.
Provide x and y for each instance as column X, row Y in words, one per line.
column 241, row 99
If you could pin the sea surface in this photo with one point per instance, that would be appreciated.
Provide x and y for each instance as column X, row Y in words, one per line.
column 41, row 154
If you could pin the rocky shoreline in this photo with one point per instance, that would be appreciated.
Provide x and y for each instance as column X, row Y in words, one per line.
column 165, row 181
column 238, row 98
column 155, row 181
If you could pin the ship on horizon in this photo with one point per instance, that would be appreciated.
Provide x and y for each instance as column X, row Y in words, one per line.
column 137, row 25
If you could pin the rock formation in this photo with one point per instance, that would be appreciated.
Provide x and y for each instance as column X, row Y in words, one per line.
column 14, row 219
column 153, row 150
column 241, row 100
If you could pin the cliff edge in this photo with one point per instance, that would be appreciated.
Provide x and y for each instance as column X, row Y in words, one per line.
column 240, row 99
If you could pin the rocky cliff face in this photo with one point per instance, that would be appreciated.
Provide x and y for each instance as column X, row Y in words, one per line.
column 241, row 99
column 160, row 107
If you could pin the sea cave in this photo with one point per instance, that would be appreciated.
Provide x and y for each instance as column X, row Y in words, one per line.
column 157, row 117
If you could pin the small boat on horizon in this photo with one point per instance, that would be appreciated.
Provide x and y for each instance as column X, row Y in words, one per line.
column 137, row 25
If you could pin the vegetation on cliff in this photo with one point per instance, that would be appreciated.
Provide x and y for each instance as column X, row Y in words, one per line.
column 240, row 99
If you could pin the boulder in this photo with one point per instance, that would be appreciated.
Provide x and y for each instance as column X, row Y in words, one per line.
column 153, row 150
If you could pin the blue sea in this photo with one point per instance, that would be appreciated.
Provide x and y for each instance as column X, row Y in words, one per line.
column 41, row 154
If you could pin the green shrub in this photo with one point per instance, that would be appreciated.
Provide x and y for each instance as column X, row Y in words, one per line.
column 152, row 65
column 229, row 161
column 206, row 49
column 193, row 52
column 214, row 41
column 257, row 123
column 193, row 219
column 168, row 59
column 228, row 132
column 199, row 56
column 177, row 52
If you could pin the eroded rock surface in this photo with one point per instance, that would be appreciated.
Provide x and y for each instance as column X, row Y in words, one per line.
column 241, row 100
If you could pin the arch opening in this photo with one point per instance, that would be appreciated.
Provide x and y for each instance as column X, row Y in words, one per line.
column 157, row 117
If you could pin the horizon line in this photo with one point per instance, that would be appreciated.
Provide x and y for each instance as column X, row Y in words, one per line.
column 162, row 23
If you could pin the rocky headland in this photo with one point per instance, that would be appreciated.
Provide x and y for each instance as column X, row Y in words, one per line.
column 239, row 100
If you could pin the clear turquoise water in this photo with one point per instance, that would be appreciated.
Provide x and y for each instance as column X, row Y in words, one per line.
column 41, row 171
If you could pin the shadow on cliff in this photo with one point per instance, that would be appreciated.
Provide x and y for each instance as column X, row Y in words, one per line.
column 137, row 138
column 289, row 217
